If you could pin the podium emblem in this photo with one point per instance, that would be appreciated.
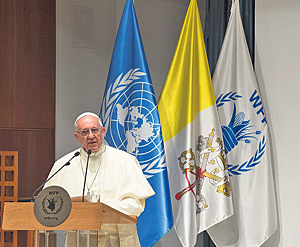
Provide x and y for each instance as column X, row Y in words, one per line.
column 52, row 206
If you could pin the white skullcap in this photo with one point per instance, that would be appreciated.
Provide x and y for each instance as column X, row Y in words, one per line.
column 87, row 114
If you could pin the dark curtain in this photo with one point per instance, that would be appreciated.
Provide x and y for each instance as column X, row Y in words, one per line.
column 216, row 19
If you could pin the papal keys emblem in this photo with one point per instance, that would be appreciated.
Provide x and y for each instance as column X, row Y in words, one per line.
column 208, row 164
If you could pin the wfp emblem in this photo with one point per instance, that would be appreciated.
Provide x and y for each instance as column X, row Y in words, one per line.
column 130, row 116
column 241, row 131
column 208, row 162
column 52, row 206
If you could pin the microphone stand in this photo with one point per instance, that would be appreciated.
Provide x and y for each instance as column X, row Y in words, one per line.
column 86, row 170
column 68, row 163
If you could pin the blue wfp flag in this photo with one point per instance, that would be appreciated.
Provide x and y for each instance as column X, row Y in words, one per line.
column 129, row 114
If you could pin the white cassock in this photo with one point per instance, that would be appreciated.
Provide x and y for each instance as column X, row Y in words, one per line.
column 114, row 175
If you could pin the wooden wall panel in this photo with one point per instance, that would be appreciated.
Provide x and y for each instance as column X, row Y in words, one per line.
column 27, row 63
column 27, row 84
column 36, row 156
column 27, row 89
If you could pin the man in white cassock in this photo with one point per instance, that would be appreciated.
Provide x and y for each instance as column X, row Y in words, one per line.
column 114, row 177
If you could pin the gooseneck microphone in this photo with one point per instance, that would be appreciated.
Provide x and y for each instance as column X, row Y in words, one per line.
column 68, row 163
column 86, row 170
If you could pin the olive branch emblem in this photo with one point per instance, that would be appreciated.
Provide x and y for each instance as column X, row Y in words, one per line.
column 248, row 165
column 222, row 99
column 150, row 169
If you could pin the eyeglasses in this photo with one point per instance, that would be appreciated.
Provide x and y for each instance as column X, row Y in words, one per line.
column 86, row 132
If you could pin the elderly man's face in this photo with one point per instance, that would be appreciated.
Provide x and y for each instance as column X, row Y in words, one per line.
column 89, row 133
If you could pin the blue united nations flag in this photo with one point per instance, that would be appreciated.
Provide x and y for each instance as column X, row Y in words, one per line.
column 130, row 116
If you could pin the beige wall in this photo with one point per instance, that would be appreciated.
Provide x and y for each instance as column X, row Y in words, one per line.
column 277, row 65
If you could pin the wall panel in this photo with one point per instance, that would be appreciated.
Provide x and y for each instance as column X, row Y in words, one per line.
column 27, row 89
column 36, row 155
column 27, row 69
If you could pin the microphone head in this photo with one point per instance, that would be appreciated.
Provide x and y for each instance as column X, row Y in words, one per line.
column 89, row 151
column 77, row 153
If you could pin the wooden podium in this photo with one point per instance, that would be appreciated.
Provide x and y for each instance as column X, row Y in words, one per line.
column 83, row 216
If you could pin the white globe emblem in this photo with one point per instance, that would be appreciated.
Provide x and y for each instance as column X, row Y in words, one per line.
column 134, row 124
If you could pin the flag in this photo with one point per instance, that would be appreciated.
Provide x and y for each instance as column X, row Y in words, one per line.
column 246, row 139
column 130, row 115
column 199, row 182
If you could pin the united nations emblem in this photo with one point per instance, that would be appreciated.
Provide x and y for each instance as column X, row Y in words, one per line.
column 130, row 116
column 52, row 206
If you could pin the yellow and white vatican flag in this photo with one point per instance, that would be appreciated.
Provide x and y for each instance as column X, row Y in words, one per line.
column 198, row 175
column 246, row 141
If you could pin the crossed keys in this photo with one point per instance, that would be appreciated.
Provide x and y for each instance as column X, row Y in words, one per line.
column 224, row 188
column 188, row 166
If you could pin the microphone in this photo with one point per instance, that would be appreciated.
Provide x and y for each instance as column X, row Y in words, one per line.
column 68, row 163
column 86, row 170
